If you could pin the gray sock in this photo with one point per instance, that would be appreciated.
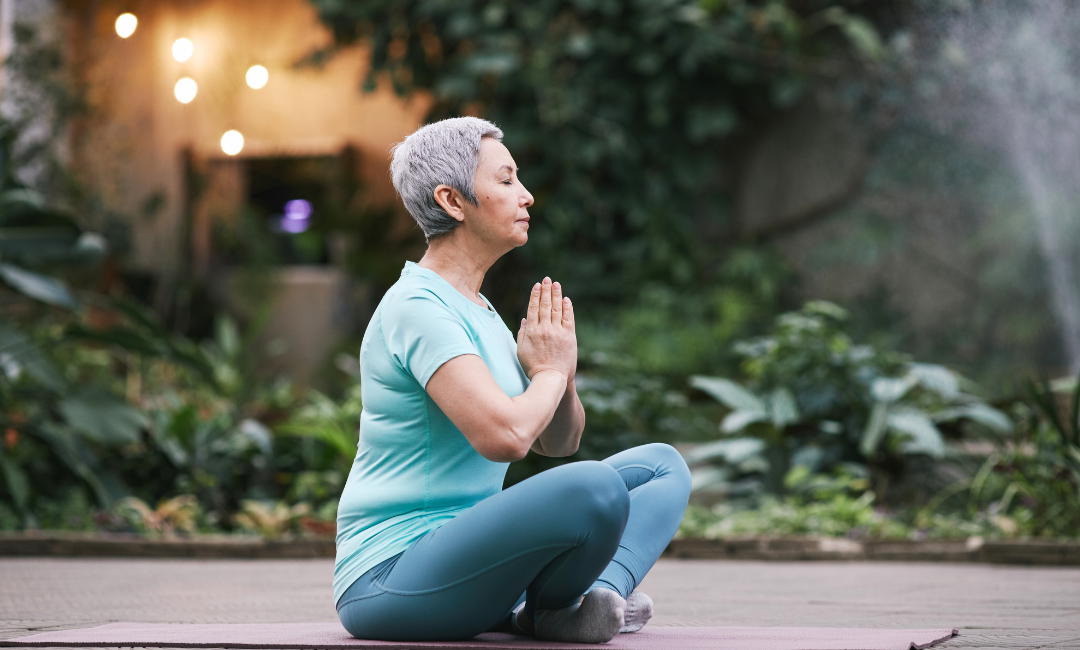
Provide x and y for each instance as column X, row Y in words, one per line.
column 596, row 619
column 638, row 612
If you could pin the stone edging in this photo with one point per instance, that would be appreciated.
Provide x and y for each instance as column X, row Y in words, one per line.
column 974, row 549
column 59, row 544
column 1032, row 552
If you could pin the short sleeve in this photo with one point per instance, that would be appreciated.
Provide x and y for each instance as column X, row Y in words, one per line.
column 422, row 333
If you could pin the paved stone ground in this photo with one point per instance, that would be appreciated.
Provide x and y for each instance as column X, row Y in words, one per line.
column 994, row 606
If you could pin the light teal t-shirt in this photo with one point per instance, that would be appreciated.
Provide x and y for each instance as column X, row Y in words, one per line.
column 414, row 470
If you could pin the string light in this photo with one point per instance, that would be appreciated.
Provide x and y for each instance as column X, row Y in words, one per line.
column 232, row 142
column 257, row 76
column 185, row 90
column 182, row 49
column 126, row 24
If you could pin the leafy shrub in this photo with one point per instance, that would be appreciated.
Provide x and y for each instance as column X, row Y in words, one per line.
column 1030, row 486
column 813, row 397
column 623, row 408
column 827, row 506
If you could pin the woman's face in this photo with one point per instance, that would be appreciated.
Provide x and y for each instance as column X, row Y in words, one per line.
column 501, row 219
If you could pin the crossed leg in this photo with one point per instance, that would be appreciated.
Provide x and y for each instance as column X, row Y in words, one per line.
column 547, row 540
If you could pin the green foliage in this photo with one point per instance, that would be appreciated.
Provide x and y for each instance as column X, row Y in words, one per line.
column 617, row 113
column 813, row 397
column 1031, row 485
column 840, row 505
column 623, row 408
column 672, row 333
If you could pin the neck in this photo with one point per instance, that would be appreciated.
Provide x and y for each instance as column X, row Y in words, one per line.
column 460, row 262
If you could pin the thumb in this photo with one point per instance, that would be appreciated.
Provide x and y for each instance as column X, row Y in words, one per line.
column 521, row 331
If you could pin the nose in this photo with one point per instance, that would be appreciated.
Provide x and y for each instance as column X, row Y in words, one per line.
column 527, row 199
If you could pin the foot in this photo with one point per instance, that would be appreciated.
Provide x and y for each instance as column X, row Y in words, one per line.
column 520, row 623
column 638, row 612
column 596, row 619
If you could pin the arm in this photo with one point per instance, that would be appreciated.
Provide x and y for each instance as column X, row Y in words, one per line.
column 563, row 435
column 499, row 427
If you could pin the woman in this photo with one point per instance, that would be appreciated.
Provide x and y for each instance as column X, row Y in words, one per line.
column 429, row 547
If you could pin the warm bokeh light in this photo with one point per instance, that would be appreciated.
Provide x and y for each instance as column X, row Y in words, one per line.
column 182, row 49
column 126, row 24
column 232, row 142
column 257, row 76
column 185, row 90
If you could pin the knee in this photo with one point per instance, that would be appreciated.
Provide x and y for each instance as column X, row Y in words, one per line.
column 670, row 465
column 598, row 491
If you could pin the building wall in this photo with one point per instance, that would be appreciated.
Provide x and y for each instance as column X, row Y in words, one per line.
column 132, row 148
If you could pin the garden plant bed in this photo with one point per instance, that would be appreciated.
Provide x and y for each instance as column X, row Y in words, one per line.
column 1031, row 552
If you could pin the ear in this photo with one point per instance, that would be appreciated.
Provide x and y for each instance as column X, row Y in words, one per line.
column 451, row 201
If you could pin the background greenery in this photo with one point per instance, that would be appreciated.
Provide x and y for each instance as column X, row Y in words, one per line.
column 631, row 122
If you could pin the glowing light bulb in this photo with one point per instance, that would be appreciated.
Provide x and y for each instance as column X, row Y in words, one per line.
column 185, row 90
column 126, row 24
column 257, row 76
column 232, row 142
column 182, row 49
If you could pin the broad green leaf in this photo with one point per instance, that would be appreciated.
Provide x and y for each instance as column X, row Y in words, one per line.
column 228, row 337
column 796, row 476
column 102, row 417
column 22, row 350
column 344, row 442
column 925, row 437
column 830, row 427
column 20, row 197
column 258, row 433
column 37, row 286
column 18, row 484
column 739, row 420
column 862, row 34
column 733, row 451
column 979, row 413
column 826, row 308
column 783, row 409
column 709, row 478
column 938, row 379
column 875, row 429
column 123, row 337
column 82, row 463
column 887, row 389
column 728, row 393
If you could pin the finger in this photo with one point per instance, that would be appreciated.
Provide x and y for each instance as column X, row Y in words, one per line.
column 545, row 301
column 533, row 315
column 521, row 332
column 567, row 313
column 556, row 303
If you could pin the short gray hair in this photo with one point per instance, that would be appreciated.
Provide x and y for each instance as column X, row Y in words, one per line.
column 442, row 153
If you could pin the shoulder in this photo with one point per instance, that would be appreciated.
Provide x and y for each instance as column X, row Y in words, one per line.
column 410, row 299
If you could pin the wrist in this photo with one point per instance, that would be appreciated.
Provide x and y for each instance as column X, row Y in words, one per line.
column 551, row 372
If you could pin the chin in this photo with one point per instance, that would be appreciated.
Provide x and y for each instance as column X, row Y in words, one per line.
column 521, row 236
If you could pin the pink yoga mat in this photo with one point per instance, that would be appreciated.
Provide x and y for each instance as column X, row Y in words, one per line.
column 331, row 635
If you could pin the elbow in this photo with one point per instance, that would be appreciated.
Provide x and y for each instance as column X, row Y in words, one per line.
column 505, row 451
column 504, row 443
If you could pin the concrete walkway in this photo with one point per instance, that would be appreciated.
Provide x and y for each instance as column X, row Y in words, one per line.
column 994, row 606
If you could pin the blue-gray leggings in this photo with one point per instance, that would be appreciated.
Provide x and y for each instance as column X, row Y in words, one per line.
column 553, row 536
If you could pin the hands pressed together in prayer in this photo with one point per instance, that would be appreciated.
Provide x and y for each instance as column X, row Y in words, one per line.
column 547, row 339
